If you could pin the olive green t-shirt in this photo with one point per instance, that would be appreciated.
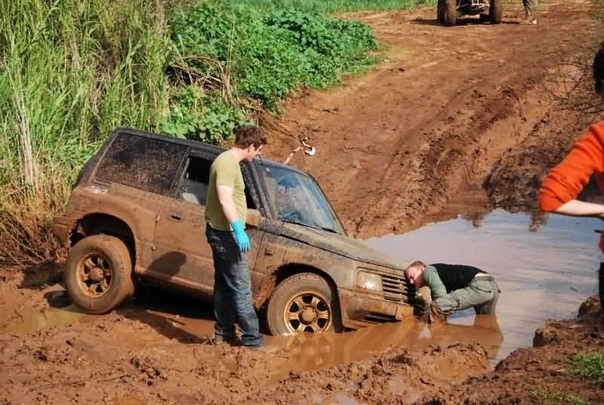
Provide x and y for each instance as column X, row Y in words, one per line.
column 225, row 171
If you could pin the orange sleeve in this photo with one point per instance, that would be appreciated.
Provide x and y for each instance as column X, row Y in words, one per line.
column 565, row 181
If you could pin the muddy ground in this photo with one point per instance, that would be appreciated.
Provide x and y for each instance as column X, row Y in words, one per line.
column 469, row 107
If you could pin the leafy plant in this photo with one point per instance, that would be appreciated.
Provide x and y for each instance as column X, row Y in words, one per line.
column 589, row 366
column 265, row 57
column 201, row 116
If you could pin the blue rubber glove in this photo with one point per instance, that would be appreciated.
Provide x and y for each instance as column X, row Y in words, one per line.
column 243, row 241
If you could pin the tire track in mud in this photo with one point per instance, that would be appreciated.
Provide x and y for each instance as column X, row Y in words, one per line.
column 397, row 144
column 451, row 157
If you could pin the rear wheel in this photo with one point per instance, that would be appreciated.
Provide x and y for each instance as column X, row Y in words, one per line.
column 303, row 303
column 450, row 12
column 495, row 11
column 98, row 273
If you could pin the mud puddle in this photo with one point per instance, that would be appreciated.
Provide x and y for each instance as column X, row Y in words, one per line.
column 545, row 267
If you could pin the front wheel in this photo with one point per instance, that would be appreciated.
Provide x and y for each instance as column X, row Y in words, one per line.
column 495, row 11
column 303, row 303
column 98, row 273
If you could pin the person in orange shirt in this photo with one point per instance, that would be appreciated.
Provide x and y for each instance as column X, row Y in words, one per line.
column 562, row 185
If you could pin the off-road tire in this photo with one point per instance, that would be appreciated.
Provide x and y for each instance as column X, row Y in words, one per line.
column 98, row 273
column 450, row 13
column 495, row 11
column 440, row 11
column 303, row 303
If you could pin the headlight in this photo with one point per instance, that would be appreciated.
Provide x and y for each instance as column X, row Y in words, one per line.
column 369, row 281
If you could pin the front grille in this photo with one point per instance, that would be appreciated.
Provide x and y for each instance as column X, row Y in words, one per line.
column 395, row 287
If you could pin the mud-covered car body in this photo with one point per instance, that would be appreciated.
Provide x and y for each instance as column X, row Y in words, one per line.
column 137, row 212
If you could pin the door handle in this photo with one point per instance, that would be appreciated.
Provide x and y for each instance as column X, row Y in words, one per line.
column 175, row 217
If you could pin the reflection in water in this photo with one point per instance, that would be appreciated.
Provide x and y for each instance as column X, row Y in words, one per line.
column 312, row 351
column 27, row 319
column 543, row 274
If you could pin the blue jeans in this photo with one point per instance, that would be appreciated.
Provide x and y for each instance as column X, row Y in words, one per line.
column 232, row 291
column 481, row 293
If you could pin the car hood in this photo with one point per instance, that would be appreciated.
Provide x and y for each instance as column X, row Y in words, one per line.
column 342, row 245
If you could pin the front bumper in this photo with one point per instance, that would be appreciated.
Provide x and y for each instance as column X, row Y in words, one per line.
column 360, row 310
column 61, row 229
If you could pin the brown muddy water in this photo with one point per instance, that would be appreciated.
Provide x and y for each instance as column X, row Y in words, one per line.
column 545, row 269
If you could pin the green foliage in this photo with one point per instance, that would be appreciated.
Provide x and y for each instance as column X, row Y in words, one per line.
column 200, row 116
column 269, row 55
column 71, row 71
column 332, row 6
column 589, row 366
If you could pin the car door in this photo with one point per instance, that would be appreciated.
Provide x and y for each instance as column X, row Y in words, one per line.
column 182, row 254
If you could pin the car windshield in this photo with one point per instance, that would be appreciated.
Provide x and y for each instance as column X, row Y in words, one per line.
column 297, row 198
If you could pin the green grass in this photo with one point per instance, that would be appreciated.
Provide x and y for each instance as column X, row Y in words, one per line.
column 542, row 395
column 332, row 6
column 582, row 365
column 588, row 366
column 70, row 71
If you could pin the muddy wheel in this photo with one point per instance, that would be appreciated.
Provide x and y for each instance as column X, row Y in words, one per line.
column 440, row 11
column 98, row 273
column 450, row 12
column 495, row 11
column 303, row 303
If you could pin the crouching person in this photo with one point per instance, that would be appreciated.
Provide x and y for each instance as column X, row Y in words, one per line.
column 454, row 287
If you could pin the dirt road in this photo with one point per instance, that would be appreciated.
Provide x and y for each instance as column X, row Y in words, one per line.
column 449, row 109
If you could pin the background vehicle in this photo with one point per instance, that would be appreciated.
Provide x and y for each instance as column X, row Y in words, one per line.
column 137, row 213
column 447, row 11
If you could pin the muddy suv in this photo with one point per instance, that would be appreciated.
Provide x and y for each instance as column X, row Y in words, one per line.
column 137, row 214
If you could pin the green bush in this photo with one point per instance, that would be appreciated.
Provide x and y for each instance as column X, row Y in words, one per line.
column 244, row 54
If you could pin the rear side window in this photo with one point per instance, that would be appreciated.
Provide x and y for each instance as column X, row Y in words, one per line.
column 193, row 186
column 145, row 163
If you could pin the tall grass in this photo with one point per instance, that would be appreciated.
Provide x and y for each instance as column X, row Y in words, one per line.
column 70, row 71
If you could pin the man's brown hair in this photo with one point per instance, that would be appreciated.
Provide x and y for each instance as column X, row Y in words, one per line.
column 250, row 135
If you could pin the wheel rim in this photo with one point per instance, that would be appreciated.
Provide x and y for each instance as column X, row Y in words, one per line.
column 94, row 273
column 307, row 312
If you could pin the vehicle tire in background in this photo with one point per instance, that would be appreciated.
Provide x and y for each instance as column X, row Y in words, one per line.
column 98, row 273
column 440, row 11
column 495, row 11
column 303, row 303
column 450, row 12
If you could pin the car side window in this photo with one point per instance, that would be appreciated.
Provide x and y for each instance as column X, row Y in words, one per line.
column 145, row 163
column 193, row 186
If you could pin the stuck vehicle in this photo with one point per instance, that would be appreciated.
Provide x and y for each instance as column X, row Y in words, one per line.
column 448, row 11
column 136, row 213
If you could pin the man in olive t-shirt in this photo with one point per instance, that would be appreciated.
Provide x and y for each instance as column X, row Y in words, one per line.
column 225, row 171
column 225, row 213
